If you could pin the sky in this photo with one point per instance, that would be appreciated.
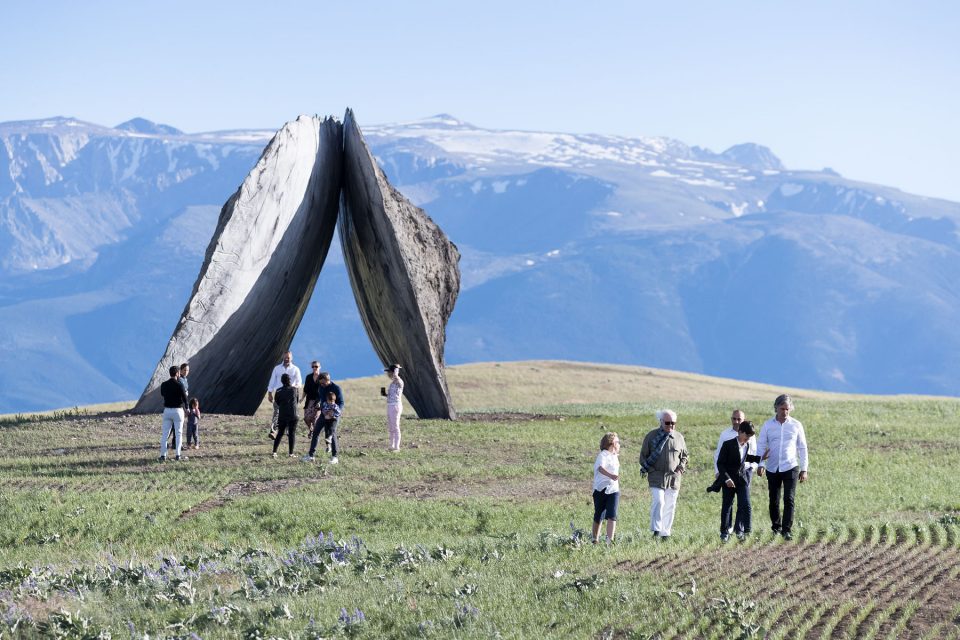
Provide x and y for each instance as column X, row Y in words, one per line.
column 870, row 89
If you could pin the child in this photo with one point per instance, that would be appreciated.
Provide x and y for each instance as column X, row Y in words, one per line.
column 193, row 421
column 286, row 401
column 606, row 485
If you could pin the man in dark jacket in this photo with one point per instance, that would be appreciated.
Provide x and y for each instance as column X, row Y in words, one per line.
column 735, row 472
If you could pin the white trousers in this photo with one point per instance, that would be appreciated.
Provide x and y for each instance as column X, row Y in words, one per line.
column 172, row 419
column 662, row 510
column 393, row 424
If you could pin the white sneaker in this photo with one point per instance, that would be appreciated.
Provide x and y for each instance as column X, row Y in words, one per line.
column 307, row 458
column 334, row 460
column 274, row 454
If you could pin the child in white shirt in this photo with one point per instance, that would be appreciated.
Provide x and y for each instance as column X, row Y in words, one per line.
column 606, row 485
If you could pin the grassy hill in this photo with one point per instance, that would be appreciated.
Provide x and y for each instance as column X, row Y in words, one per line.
column 475, row 529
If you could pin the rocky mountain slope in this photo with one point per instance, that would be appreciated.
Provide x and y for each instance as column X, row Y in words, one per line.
column 584, row 247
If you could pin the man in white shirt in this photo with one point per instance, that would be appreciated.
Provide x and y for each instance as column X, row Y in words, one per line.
column 783, row 445
column 285, row 367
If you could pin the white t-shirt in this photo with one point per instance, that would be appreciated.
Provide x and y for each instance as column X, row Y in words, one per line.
column 293, row 371
column 611, row 463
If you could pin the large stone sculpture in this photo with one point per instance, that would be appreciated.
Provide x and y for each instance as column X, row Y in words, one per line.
column 404, row 275
column 259, row 271
column 268, row 249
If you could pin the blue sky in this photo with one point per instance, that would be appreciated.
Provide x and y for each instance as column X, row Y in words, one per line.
column 870, row 89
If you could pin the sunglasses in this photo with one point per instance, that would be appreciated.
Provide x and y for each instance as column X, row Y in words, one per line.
column 665, row 422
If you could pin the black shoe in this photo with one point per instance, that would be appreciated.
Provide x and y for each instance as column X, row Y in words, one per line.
column 656, row 534
column 162, row 459
column 724, row 539
column 179, row 458
column 741, row 537
column 787, row 535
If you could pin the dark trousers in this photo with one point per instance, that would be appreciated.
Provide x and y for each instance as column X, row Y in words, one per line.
column 192, row 433
column 744, row 516
column 784, row 482
column 329, row 431
column 290, row 426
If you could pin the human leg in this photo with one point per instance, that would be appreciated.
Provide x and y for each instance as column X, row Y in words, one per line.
column 274, row 420
column 598, row 510
column 790, row 480
column 167, row 429
column 393, row 422
column 669, row 511
column 292, row 434
column 330, row 433
column 656, row 509
column 774, row 485
column 726, row 510
column 178, row 428
column 612, row 503
column 313, row 440
column 744, row 509
column 281, row 427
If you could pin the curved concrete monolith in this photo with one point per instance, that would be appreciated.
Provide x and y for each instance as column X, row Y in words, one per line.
column 404, row 273
column 259, row 271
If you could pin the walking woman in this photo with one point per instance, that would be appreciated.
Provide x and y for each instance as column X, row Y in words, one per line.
column 394, row 394
column 311, row 394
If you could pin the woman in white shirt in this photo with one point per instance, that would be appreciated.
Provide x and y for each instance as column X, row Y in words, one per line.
column 606, row 485
column 394, row 405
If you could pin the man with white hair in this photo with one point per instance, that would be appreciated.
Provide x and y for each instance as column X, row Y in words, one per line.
column 663, row 458
column 783, row 445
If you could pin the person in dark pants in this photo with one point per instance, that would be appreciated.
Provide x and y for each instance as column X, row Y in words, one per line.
column 783, row 446
column 311, row 397
column 286, row 400
column 184, row 372
column 735, row 472
column 330, row 415
column 326, row 386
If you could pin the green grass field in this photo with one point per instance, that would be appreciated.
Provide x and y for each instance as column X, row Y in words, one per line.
column 477, row 528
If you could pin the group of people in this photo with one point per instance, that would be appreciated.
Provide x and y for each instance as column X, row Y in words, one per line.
column 779, row 452
column 177, row 406
column 322, row 408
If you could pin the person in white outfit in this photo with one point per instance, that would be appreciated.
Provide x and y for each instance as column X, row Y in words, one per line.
column 663, row 458
column 394, row 395
column 292, row 370
column 606, row 486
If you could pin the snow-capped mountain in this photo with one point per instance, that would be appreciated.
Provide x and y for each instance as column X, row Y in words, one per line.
column 576, row 246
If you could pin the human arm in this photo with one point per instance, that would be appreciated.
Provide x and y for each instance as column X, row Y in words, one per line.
column 684, row 456
column 611, row 473
column 716, row 455
column 763, row 445
column 802, row 453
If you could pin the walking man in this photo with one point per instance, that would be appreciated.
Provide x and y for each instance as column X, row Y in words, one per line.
column 783, row 445
column 285, row 367
column 663, row 458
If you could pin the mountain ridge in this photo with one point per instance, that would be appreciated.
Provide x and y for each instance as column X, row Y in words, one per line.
column 587, row 247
